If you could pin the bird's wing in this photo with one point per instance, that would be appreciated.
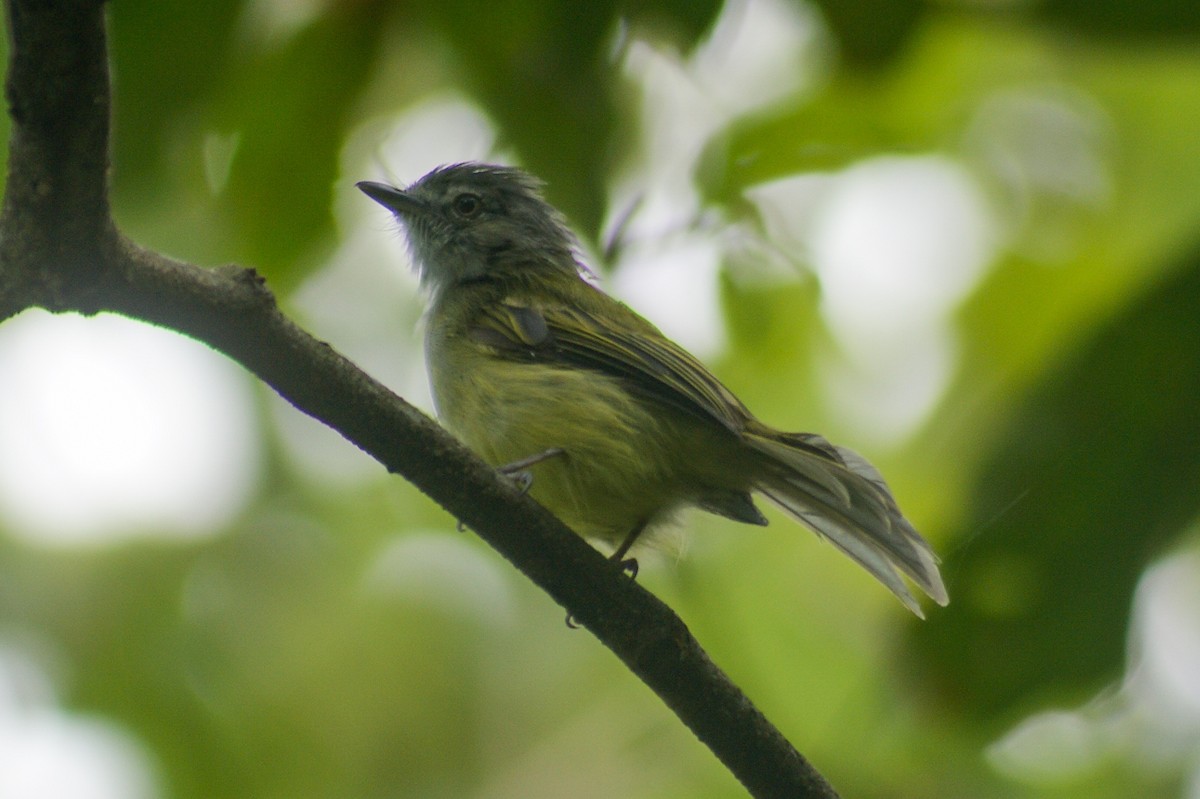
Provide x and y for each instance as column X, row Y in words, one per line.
column 622, row 345
column 831, row 489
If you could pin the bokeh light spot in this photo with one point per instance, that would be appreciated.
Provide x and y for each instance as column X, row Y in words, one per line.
column 110, row 429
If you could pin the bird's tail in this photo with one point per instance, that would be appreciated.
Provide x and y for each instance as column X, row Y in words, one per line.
column 844, row 499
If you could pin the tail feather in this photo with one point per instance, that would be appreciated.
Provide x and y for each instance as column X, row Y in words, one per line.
column 841, row 497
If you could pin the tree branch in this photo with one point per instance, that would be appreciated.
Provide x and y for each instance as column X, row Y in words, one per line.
column 60, row 250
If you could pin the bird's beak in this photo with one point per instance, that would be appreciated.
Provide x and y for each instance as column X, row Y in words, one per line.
column 391, row 198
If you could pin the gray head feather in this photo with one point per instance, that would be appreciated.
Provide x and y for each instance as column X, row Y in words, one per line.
column 470, row 222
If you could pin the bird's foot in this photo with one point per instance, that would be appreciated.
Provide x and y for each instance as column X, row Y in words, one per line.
column 520, row 472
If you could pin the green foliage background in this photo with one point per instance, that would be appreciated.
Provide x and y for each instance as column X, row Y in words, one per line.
column 1064, row 459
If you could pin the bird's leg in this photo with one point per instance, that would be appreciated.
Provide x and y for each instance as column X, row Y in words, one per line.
column 629, row 565
column 519, row 470
column 520, row 473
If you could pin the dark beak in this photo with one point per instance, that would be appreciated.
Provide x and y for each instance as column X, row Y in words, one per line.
column 391, row 198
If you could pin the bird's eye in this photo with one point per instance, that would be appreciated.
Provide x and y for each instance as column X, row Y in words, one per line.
column 467, row 205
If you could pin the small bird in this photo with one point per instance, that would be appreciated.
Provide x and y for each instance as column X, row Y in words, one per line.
column 538, row 371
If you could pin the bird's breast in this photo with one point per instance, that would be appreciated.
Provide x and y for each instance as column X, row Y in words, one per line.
column 616, row 471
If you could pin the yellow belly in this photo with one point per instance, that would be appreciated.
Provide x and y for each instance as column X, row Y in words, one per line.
column 612, row 477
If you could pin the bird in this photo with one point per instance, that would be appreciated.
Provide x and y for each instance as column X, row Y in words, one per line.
column 615, row 427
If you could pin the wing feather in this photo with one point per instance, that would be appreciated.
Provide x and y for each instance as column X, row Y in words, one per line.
column 638, row 354
column 831, row 489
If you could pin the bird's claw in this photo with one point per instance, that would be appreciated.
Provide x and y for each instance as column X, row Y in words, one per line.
column 628, row 566
column 523, row 480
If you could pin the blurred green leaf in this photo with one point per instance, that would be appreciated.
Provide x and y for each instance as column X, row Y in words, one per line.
column 827, row 133
column 871, row 33
column 539, row 71
column 683, row 22
column 545, row 73
column 290, row 110
column 922, row 102
column 1166, row 20
column 168, row 60
column 774, row 328
column 1093, row 476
